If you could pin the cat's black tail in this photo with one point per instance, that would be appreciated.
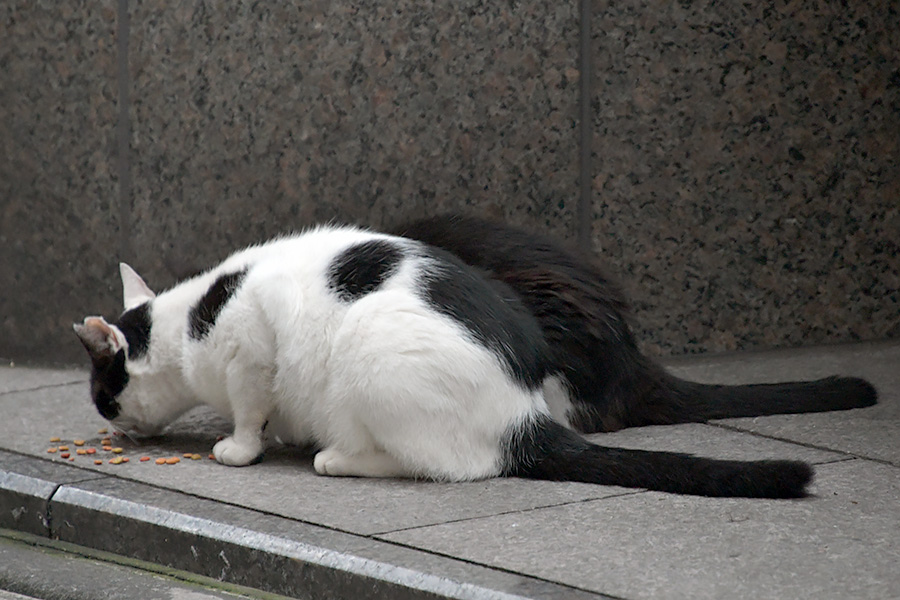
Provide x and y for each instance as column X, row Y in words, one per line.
column 723, row 401
column 690, row 401
column 544, row 449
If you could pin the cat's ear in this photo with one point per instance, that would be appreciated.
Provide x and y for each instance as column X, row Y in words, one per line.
column 99, row 338
column 134, row 291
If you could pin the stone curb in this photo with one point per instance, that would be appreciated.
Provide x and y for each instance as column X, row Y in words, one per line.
column 237, row 545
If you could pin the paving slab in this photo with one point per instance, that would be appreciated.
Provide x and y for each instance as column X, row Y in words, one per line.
column 14, row 379
column 843, row 543
column 503, row 537
column 714, row 442
column 284, row 483
column 871, row 432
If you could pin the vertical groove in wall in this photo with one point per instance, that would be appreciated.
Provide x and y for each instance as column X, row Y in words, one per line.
column 584, row 211
column 123, row 132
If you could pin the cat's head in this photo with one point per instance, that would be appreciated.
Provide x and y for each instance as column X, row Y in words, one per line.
column 127, row 387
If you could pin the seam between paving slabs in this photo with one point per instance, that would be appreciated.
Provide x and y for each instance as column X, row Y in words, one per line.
column 845, row 453
column 45, row 386
column 598, row 595
column 508, row 512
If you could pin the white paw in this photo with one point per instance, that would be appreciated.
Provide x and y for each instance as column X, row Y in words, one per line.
column 230, row 452
column 329, row 462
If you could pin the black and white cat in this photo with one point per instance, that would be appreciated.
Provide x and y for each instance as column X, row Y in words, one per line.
column 396, row 359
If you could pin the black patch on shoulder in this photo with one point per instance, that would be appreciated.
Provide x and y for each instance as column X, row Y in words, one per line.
column 204, row 314
column 108, row 378
column 492, row 312
column 361, row 269
column 135, row 324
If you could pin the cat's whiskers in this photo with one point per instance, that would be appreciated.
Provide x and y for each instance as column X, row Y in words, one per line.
column 126, row 433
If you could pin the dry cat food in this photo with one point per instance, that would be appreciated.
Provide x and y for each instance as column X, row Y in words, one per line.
column 118, row 452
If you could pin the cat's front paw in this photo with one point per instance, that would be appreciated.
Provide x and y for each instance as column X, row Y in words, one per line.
column 329, row 462
column 230, row 452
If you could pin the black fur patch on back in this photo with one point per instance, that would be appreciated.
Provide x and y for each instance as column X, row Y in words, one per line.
column 204, row 314
column 492, row 312
column 108, row 378
column 362, row 268
column 135, row 325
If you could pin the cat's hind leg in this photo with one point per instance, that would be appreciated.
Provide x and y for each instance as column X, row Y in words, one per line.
column 332, row 461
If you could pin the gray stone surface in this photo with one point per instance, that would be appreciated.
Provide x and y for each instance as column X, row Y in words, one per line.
column 4, row 595
column 58, row 182
column 263, row 117
column 246, row 547
column 17, row 379
column 278, row 524
column 52, row 573
column 284, row 483
column 26, row 487
column 712, row 441
column 840, row 544
column 870, row 433
column 367, row 506
column 743, row 180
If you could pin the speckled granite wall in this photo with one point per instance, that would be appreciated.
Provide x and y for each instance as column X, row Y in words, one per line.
column 747, row 170
column 744, row 159
column 264, row 116
column 58, row 186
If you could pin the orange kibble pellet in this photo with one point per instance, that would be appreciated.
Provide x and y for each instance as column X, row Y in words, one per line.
column 55, row 440
column 91, row 451
column 144, row 458
column 212, row 457
column 78, row 442
column 187, row 455
column 173, row 460
column 64, row 455
column 116, row 461
column 102, row 430
column 98, row 462
column 81, row 451
column 51, row 450
column 196, row 457
column 124, row 459
column 63, row 448
column 72, row 459
column 117, row 451
column 107, row 448
column 160, row 461
column 106, row 442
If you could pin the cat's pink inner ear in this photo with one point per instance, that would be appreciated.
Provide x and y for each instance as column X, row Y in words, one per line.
column 134, row 290
column 98, row 337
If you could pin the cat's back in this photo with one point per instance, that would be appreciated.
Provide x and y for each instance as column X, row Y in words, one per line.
column 341, row 262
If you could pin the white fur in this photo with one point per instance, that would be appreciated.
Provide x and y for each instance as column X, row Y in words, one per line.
column 385, row 385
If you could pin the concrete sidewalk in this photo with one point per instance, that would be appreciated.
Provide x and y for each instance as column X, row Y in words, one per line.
column 280, row 528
